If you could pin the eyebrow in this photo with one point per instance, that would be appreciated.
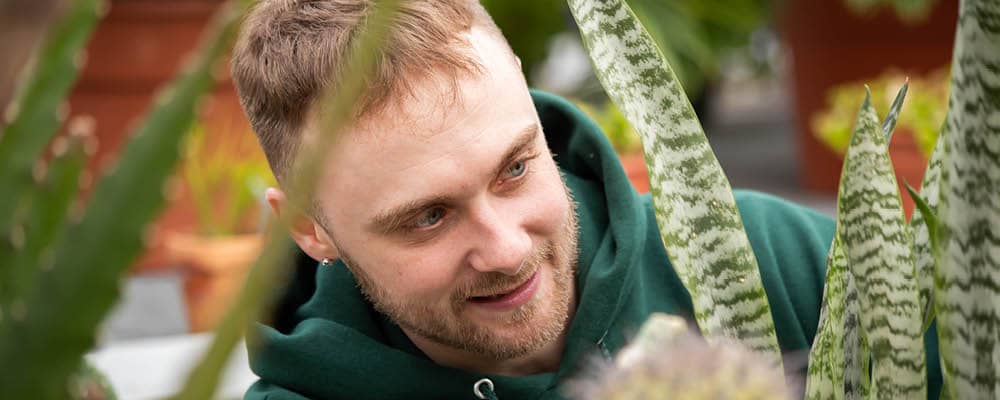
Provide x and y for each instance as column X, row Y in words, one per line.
column 391, row 220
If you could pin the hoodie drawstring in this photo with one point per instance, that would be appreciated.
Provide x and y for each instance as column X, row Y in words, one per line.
column 483, row 389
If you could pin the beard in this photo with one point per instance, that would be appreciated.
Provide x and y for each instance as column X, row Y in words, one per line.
column 542, row 319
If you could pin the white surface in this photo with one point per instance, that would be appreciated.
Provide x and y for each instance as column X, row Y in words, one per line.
column 157, row 368
column 151, row 305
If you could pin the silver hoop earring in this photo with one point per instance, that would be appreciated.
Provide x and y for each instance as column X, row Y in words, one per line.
column 327, row 262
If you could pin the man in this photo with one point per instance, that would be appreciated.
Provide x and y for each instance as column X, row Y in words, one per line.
column 487, row 242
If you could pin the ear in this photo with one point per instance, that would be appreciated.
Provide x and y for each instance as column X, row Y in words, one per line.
column 518, row 61
column 304, row 230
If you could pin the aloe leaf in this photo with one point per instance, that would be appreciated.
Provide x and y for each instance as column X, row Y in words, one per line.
column 889, row 124
column 258, row 291
column 877, row 242
column 69, row 300
column 699, row 223
column 967, row 284
column 49, row 208
column 35, row 113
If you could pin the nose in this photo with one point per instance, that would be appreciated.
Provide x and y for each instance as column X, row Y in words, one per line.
column 502, row 244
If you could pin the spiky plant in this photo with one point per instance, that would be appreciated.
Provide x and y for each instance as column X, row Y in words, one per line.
column 886, row 279
column 61, row 263
column 651, row 368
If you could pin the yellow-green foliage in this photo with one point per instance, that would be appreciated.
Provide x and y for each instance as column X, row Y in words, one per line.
column 921, row 116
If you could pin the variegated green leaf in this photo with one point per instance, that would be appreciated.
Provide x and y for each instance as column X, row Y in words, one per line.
column 838, row 358
column 699, row 222
column 877, row 242
column 826, row 358
column 857, row 352
column 889, row 124
column 967, row 284
column 922, row 247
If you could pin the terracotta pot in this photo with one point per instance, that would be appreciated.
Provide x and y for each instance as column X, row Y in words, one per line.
column 214, row 271
column 635, row 169
column 829, row 45
column 136, row 49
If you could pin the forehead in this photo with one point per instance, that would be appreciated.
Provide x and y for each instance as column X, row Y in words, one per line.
column 441, row 139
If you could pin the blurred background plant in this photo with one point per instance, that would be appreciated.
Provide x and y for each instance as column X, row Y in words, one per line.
column 63, row 250
column 910, row 11
column 694, row 35
column 921, row 118
column 225, row 174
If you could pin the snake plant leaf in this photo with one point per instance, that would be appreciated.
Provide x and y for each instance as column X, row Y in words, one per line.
column 930, row 222
column 259, row 289
column 50, row 203
column 839, row 358
column 825, row 379
column 857, row 352
column 82, row 284
column 877, row 242
column 924, row 243
column 889, row 124
column 967, row 284
column 699, row 223
column 33, row 117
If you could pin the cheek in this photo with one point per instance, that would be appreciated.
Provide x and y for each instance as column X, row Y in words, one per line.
column 424, row 276
column 547, row 203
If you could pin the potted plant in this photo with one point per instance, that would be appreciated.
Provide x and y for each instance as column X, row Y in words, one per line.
column 223, row 174
column 826, row 43
column 916, row 131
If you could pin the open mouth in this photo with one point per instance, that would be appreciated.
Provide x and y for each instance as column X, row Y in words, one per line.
column 511, row 298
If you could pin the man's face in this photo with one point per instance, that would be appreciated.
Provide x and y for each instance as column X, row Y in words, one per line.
column 453, row 216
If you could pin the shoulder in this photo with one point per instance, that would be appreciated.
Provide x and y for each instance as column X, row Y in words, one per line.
column 791, row 243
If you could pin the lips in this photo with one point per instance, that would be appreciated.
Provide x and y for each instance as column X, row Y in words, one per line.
column 511, row 299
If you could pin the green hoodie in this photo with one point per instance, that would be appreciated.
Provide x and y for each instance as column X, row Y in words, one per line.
column 327, row 342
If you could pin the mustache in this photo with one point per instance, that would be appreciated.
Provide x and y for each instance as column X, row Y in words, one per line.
column 491, row 283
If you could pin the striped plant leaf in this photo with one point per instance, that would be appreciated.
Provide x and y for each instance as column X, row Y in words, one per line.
column 699, row 223
column 877, row 242
column 857, row 353
column 838, row 359
column 826, row 358
column 922, row 248
column 889, row 124
column 967, row 284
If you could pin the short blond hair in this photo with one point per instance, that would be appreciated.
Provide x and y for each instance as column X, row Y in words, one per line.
column 290, row 51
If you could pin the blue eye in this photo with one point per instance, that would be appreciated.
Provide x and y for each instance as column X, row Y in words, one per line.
column 517, row 169
column 429, row 218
